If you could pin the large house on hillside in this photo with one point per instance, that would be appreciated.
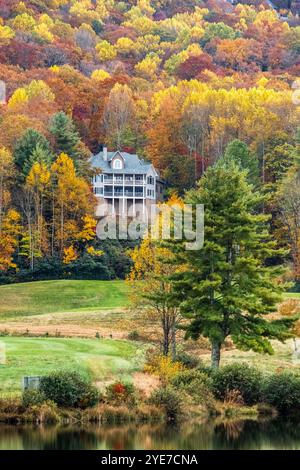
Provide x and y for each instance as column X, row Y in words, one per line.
column 125, row 184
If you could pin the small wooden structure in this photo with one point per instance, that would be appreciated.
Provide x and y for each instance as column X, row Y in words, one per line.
column 31, row 382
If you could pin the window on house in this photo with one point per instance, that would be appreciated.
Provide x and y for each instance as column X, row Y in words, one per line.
column 117, row 164
column 150, row 180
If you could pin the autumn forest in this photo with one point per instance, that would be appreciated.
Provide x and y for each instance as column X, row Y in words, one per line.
column 180, row 83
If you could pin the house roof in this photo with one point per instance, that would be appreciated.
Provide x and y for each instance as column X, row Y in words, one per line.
column 132, row 163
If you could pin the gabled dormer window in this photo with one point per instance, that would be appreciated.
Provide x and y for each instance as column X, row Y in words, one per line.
column 117, row 164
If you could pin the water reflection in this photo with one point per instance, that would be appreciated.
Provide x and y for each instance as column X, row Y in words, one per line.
column 229, row 434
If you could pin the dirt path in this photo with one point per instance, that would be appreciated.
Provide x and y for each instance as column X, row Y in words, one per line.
column 64, row 330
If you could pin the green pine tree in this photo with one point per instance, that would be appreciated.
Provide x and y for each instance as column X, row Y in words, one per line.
column 227, row 288
column 40, row 155
column 65, row 134
column 31, row 142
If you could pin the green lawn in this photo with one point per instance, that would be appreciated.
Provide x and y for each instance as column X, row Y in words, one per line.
column 101, row 359
column 292, row 295
column 35, row 298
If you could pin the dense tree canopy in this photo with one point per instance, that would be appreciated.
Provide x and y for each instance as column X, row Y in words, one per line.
column 180, row 83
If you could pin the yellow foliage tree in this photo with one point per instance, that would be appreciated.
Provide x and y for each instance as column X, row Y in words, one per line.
column 70, row 255
column 152, row 263
column 100, row 75
column 125, row 46
column 148, row 67
column 24, row 22
column 9, row 232
column 73, row 205
column 106, row 51
column 6, row 34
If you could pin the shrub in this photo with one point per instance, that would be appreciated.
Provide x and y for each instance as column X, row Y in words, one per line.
column 187, row 360
column 121, row 393
column 164, row 367
column 42, row 413
column 149, row 413
column 169, row 400
column 197, row 384
column 10, row 405
column 33, row 397
column 69, row 389
column 189, row 376
column 116, row 414
column 282, row 391
column 133, row 336
column 240, row 377
column 89, row 398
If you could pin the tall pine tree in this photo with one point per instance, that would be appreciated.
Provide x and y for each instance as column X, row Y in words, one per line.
column 67, row 141
column 227, row 288
column 31, row 143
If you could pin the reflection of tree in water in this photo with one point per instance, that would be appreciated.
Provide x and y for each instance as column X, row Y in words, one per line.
column 279, row 433
column 59, row 438
column 11, row 437
column 232, row 428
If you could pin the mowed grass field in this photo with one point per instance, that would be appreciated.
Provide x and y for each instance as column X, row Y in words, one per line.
column 292, row 295
column 78, row 309
column 52, row 325
column 102, row 359
column 38, row 298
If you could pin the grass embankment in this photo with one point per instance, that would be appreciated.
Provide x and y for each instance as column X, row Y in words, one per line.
column 38, row 298
column 102, row 359
column 81, row 309
column 68, row 308
column 292, row 295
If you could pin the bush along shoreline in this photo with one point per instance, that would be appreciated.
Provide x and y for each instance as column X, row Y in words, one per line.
column 185, row 392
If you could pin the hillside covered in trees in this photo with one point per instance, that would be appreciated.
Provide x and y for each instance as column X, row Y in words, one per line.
column 179, row 82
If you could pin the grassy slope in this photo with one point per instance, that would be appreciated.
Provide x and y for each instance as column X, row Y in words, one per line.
column 292, row 295
column 52, row 297
column 102, row 359
column 42, row 297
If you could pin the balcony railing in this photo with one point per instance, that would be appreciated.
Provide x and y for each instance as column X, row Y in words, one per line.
column 126, row 182
column 118, row 192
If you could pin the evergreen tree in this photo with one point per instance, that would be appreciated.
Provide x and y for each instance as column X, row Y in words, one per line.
column 39, row 155
column 239, row 152
column 227, row 288
column 32, row 141
column 65, row 134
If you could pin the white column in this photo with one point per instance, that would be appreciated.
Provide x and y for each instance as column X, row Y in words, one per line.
column 123, row 206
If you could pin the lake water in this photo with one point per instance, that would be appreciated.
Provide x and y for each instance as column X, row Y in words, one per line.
column 246, row 434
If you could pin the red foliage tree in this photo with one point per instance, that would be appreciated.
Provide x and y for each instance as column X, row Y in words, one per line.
column 194, row 66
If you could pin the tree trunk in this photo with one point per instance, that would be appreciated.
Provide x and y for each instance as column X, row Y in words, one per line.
column 166, row 344
column 295, row 345
column 173, row 340
column 166, row 335
column 215, row 354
